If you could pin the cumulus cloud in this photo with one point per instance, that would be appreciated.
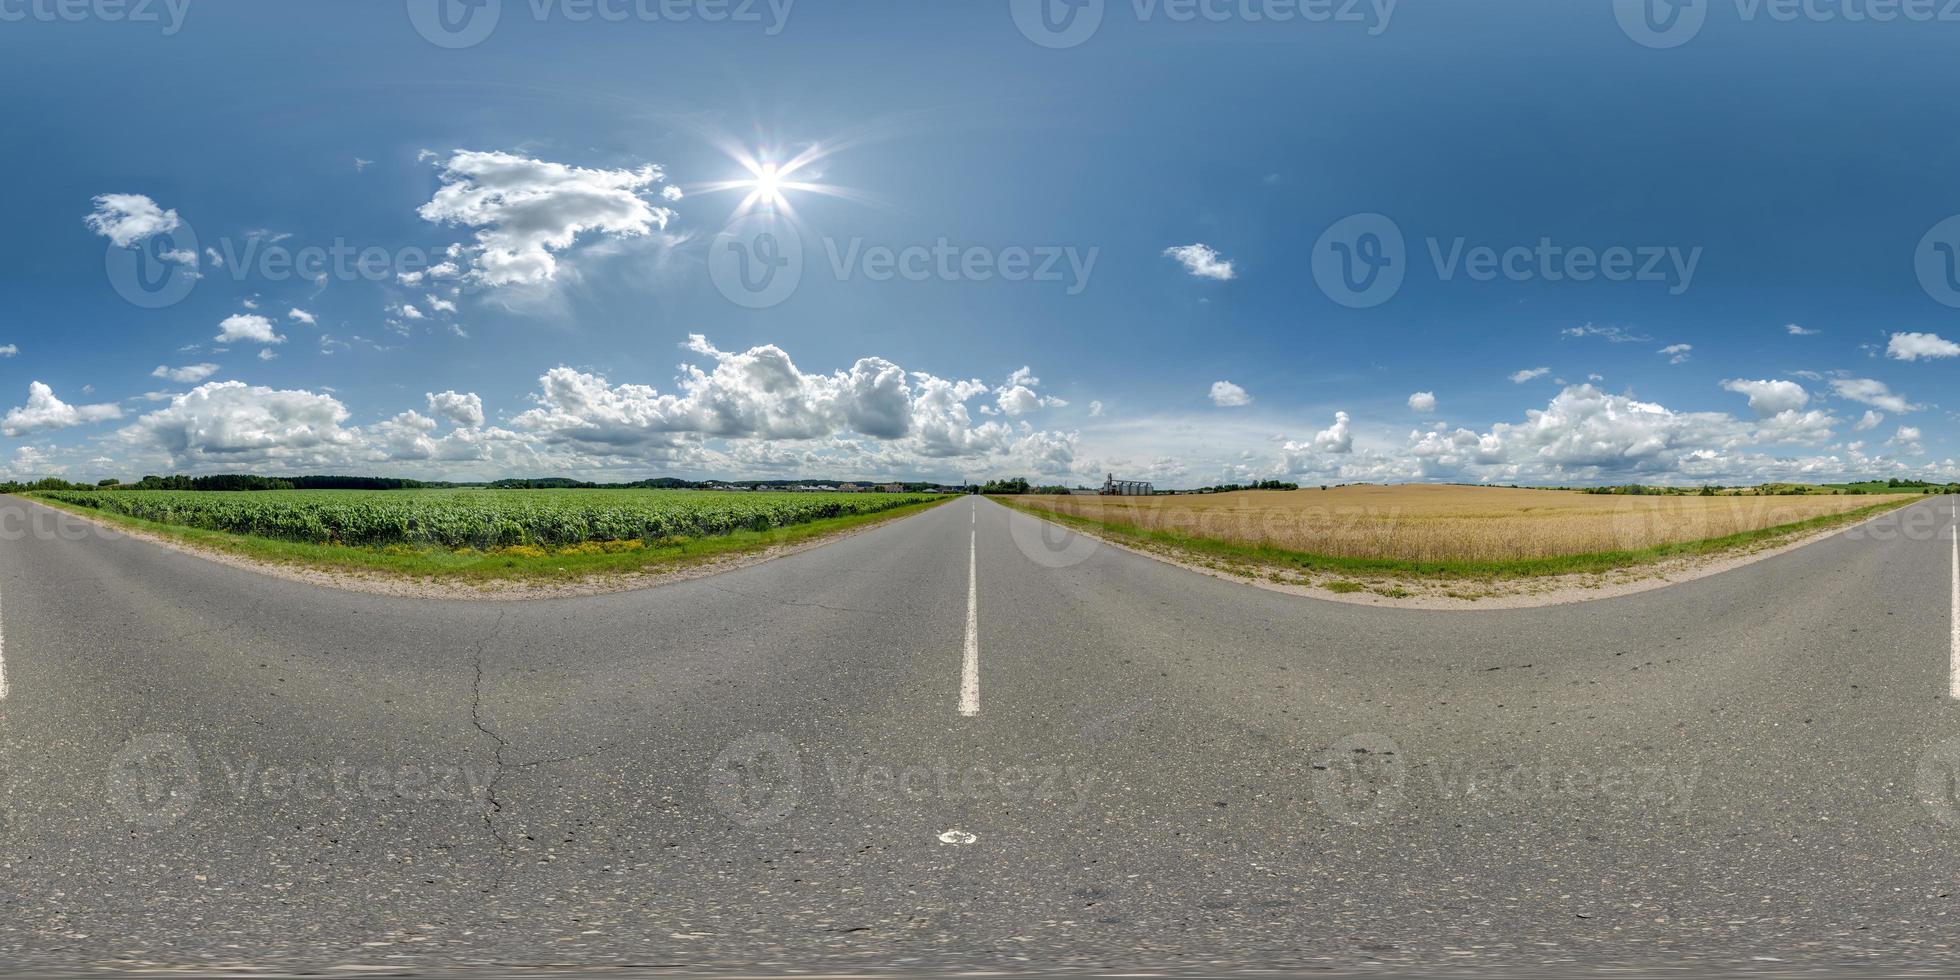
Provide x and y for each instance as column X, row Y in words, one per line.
column 236, row 424
column 465, row 410
column 8, row 350
column 1422, row 402
column 248, row 328
column 1770, row 397
column 1795, row 330
column 1095, row 410
column 1872, row 420
column 1874, row 393
column 1913, row 346
column 1529, row 374
column 44, row 411
column 298, row 315
column 126, row 219
column 189, row 374
column 1335, row 438
column 526, row 211
column 1018, row 396
column 1677, row 353
column 1225, row 394
column 1202, row 261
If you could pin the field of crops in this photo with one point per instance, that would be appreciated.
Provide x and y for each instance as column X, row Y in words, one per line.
column 1450, row 523
column 481, row 519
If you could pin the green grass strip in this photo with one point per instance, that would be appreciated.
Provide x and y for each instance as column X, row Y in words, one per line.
column 501, row 565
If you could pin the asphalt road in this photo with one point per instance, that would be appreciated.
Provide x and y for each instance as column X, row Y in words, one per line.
column 825, row 763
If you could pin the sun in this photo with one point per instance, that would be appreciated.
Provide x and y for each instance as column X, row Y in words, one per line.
column 768, row 180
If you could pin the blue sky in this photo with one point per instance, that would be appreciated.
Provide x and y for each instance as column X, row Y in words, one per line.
column 575, row 173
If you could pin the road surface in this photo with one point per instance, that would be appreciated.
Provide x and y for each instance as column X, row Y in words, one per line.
column 950, row 743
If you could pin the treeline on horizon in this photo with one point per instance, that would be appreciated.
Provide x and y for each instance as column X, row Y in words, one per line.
column 233, row 482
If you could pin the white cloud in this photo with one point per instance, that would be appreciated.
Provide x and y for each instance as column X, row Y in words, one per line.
column 525, row 211
column 1913, row 346
column 1095, row 410
column 465, row 410
column 298, row 315
column 1202, row 261
column 1615, row 335
column 1874, row 393
column 1872, row 420
column 1770, row 397
column 1422, row 402
column 44, row 411
column 127, row 219
column 1676, row 353
column 1225, row 394
column 1529, row 374
column 189, row 374
column 1335, row 438
column 247, row 327
column 266, row 354
column 361, row 165
column 8, row 350
column 1799, row 331
column 1017, row 397
column 234, row 424
column 439, row 304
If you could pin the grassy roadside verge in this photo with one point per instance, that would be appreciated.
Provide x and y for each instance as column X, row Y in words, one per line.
column 1270, row 559
column 515, row 565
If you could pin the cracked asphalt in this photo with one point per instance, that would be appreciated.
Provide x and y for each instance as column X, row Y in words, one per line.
column 766, row 771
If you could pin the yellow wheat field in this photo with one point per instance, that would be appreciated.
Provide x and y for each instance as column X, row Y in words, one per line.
column 1450, row 523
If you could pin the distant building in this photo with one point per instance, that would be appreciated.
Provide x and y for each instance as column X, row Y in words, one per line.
column 891, row 488
column 1113, row 487
column 849, row 488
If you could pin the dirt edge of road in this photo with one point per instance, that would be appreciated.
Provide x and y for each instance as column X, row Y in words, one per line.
column 1474, row 595
column 514, row 590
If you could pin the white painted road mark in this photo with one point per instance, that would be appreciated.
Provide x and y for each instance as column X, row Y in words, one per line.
column 3, row 661
column 957, row 837
column 970, row 672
